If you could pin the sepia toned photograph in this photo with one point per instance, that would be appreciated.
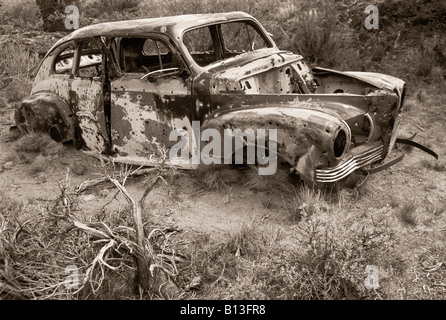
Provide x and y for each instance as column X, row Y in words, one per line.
column 235, row 151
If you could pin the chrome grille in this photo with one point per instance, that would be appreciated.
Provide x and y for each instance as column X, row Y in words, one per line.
column 345, row 168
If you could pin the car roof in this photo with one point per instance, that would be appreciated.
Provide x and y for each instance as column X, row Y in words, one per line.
column 173, row 25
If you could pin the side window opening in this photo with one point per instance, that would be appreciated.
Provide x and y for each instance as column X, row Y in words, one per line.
column 63, row 63
column 200, row 46
column 146, row 55
column 90, row 59
column 240, row 37
column 231, row 38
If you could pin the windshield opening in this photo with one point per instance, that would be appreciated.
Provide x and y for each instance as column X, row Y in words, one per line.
column 217, row 42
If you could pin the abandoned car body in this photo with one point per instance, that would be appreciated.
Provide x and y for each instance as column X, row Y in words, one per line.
column 115, row 87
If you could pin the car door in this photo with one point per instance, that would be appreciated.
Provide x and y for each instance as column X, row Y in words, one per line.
column 151, row 98
column 87, row 94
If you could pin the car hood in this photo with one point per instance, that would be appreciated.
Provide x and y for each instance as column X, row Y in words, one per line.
column 226, row 74
column 378, row 80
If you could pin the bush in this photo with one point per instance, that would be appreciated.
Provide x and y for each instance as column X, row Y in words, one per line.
column 16, row 59
column 328, row 260
column 24, row 14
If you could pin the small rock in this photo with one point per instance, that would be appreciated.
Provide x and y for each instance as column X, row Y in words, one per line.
column 2, row 103
column 104, row 193
column 8, row 165
column 88, row 198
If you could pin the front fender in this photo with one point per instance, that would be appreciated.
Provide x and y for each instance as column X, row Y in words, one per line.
column 46, row 112
column 305, row 138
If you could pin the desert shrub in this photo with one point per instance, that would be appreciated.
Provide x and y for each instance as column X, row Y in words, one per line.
column 17, row 60
column 39, row 165
column 24, row 14
column 433, row 165
column 429, row 59
column 407, row 214
column 220, row 264
column 107, row 8
column 306, row 201
column 33, row 144
column 18, row 90
column 327, row 261
column 279, row 181
column 249, row 241
column 309, row 30
column 78, row 168
column 217, row 177
column 51, row 12
column 35, row 249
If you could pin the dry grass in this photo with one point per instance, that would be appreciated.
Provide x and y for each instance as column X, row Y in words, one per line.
column 39, row 165
column 407, row 214
column 434, row 165
column 78, row 168
column 38, row 143
column 17, row 60
column 277, row 182
column 306, row 202
column 218, row 177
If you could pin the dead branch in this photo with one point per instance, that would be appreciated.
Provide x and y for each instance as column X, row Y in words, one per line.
column 88, row 184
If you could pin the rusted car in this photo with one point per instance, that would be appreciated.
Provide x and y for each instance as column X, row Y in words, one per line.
column 119, row 88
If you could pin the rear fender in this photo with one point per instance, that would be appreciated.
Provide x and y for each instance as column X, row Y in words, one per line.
column 46, row 112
